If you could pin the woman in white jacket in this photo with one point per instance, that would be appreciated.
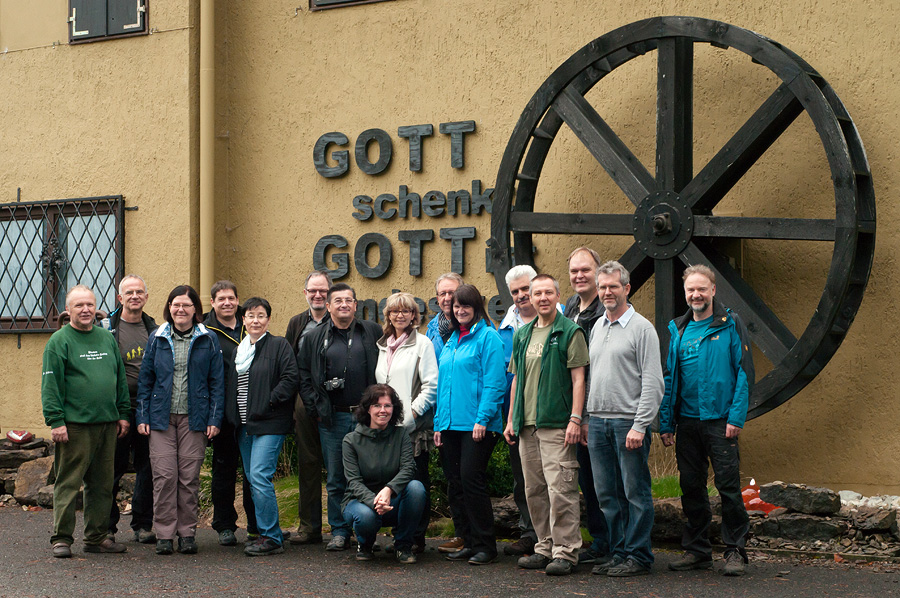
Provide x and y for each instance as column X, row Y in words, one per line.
column 407, row 363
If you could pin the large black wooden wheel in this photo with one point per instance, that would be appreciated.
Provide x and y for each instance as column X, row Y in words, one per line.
column 674, row 221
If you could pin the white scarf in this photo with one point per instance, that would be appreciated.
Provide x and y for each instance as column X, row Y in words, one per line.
column 244, row 355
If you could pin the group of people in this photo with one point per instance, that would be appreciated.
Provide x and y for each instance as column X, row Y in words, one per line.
column 575, row 390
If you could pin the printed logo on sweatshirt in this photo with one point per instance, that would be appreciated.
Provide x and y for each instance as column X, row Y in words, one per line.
column 93, row 355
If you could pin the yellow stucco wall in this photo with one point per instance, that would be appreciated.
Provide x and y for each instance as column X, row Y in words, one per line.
column 286, row 76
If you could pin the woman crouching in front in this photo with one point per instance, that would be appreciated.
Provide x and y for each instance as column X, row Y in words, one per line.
column 379, row 466
column 261, row 392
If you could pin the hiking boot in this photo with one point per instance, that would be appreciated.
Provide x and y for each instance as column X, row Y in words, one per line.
column 604, row 564
column 144, row 536
column 690, row 561
column 107, row 546
column 734, row 564
column 164, row 547
column 61, row 550
column 264, row 547
column 306, row 538
column 630, row 568
column 337, row 543
column 452, row 545
column 589, row 557
column 560, row 567
column 227, row 538
column 533, row 561
column 187, row 545
column 405, row 556
column 521, row 547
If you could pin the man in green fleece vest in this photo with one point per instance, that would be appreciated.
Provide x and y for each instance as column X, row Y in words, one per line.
column 84, row 392
column 546, row 403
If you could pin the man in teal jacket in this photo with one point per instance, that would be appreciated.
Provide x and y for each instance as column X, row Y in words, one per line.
column 546, row 404
column 709, row 371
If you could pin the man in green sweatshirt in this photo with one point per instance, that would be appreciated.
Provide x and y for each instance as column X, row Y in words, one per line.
column 84, row 393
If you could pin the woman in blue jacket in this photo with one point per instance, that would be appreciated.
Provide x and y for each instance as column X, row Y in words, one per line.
column 181, row 397
column 467, row 421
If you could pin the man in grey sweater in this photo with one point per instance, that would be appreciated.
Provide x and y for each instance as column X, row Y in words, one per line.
column 625, row 393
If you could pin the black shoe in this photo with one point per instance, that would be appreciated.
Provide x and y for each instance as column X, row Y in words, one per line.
column 483, row 558
column 605, row 564
column 306, row 538
column 144, row 536
column 589, row 557
column 227, row 538
column 364, row 553
column 264, row 547
column 463, row 554
column 405, row 556
column 164, row 547
column 560, row 567
column 533, row 561
column 630, row 568
column 187, row 545
column 690, row 561
column 521, row 547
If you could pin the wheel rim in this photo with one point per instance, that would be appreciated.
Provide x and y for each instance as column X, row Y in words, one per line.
column 673, row 223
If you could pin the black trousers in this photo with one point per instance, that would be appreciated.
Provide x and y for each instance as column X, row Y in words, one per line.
column 697, row 444
column 226, row 458
column 136, row 448
column 465, row 465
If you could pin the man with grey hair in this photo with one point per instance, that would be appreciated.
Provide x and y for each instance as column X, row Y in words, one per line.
column 132, row 327
column 626, row 388
column 309, row 446
column 438, row 329
column 521, row 312
column 84, row 394
column 709, row 370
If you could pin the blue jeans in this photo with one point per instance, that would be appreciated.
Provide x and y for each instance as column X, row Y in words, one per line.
column 260, row 457
column 622, row 481
column 332, row 438
column 405, row 516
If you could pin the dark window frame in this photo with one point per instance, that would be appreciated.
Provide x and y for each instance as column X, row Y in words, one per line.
column 316, row 5
column 74, row 41
column 54, row 264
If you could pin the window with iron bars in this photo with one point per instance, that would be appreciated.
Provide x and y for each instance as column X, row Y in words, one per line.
column 46, row 247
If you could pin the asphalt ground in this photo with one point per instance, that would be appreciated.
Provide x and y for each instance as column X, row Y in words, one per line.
column 27, row 570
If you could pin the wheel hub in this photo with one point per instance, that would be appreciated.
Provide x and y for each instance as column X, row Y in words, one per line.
column 663, row 225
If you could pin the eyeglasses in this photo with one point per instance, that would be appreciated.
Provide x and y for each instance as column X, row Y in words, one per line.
column 342, row 301
column 132, row 293
column 317, row 291
column 445, row 294
column 181, row 306
column 252, row 317
column 401, row 312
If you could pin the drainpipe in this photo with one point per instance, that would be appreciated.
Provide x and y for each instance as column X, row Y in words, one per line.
column 207, row 148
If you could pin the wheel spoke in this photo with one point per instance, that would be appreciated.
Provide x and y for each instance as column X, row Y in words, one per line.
column 794, row 229
column 766, row 329
column 609, row 150
column 674, row 109
column 639, row 266
column 571, row 224
column 669, row 297
column 743, row 150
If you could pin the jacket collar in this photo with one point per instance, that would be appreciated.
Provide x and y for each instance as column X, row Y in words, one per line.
column 720, row 317
column 409, row 342
column 165, row 331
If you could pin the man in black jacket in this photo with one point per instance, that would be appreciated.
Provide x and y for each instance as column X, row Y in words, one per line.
column 132, row 327
column 225, row 320
column 309, row 447
column 337, row 362
column 585, row 308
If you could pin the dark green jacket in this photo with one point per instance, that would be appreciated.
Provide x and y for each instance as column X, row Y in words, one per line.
column 374, row 459
column 555, row 386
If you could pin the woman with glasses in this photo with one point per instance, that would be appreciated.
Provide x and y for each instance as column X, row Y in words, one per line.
column 378, row 463
column 407, row 363
column 467, row 420
column 180, row 404
column 261, row 392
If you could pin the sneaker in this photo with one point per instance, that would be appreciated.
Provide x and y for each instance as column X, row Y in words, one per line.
column 604, row 564
column 107, row 546
column 227, row 538
column 559, row 567
column 690, row 561
column 452, row 545
column 522, row 546
column 264, row 547
column 337, row 543
column 164, row 547
column 252, row 538
column 630, row 568
column 589, row 557
column 187, row 545
column 306, row 538
column 406, row 557
column 533, row 561
column 364, row 553
column 144, row 536
column 61, row 550
column 734, row 564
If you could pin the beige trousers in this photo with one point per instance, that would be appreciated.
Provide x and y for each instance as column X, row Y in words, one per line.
column 176, row 456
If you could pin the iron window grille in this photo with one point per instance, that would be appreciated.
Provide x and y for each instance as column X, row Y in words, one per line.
column 326, row 4
column 46, row 247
